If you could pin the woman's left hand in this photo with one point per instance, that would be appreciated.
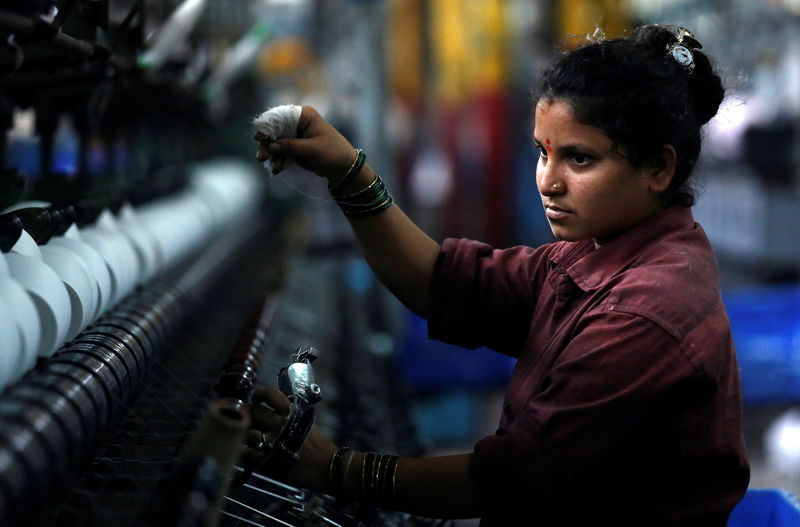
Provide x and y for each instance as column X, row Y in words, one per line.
column 269, row 412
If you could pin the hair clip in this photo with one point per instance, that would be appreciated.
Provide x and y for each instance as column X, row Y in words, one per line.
column 681, row 50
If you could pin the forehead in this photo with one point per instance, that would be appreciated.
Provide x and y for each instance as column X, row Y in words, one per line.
column 555, row 118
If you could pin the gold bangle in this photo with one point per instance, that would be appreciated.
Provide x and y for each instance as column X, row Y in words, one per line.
column 346, row 470
column 385, row 204
column 372, row 466
column 330, row 466
column 379, row 199
column 363, row 470
column 335, row 469
column 384, row 496
column 353, row 164
column 394, row 482
column 358, row 162
column 377, row 476
column 362, row 191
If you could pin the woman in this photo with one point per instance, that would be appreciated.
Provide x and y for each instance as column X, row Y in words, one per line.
column 624, row 407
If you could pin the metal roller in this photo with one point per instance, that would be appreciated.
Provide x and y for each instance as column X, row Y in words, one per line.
column 54, row 435
column 15, row 485
column 82, row 385
column 122, row 341
column 139, row 331
column 52, row 420
column 114, row 362
column 152, row 320
column 44, row 426
column 107, row 378
column 30, row 462
column 69, row 403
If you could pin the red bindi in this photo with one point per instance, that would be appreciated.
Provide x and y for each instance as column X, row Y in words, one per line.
column 548, row 146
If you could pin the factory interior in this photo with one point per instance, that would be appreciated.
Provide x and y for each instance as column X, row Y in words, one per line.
column 153, row 270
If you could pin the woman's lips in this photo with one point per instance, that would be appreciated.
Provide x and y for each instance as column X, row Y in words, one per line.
column 555, row 213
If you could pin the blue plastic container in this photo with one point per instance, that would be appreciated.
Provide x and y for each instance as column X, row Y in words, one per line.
column 765, row 323
column 766, row 508
column 434, row 366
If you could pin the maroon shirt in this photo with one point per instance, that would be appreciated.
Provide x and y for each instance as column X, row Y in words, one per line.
column 624, row 407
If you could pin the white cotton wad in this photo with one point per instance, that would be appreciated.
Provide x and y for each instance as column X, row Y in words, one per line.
column 277, row 122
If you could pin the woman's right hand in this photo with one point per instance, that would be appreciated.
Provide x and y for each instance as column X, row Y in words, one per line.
column 319, row 148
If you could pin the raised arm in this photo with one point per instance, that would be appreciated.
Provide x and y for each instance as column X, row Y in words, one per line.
column 399, row 252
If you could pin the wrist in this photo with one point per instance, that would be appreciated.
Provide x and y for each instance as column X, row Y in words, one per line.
column 335, row 186
column 369, row 200
column 351, row 475
column 370, row 477
column 361, row 179
column 312, row 469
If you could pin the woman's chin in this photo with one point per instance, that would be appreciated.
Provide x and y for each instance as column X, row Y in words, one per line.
column 566, row 235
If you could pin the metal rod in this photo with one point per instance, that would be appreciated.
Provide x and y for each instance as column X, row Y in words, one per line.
column 272, row 494
column 327, row 520
column 261, row 513
column 242, row 519
column 274, row 482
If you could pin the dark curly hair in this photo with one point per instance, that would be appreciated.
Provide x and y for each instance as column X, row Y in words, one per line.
column 641, row 97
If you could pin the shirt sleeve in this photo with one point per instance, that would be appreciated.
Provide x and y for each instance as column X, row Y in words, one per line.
column 482, row 296
column 576, row 435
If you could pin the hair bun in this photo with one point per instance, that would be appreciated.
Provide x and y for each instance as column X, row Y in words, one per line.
column 657, row 38
column 705, row 86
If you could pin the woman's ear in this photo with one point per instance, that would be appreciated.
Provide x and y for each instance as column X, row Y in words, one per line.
column 662, row 169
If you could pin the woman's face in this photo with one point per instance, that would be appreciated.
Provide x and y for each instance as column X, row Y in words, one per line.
column 588, row 190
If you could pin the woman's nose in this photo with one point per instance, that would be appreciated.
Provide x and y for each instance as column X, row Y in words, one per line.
column 548, row 180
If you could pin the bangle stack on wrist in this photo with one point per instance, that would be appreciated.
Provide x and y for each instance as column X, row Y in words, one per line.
column 379, row 479
column 372, row 199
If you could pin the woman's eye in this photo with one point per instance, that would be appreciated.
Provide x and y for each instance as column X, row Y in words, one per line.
column 580, row 159
column 542, row 151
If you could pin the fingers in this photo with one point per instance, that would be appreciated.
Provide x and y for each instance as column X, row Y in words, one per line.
column 262, row 154
column 256, row 444
column 294, row 147
column 267, row 420
column 278, row 162
column 258, row 439
column 273, row 398
column 269, row 149
column 307, row 116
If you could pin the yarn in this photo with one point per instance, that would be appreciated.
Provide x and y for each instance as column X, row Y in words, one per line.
column 277, row 122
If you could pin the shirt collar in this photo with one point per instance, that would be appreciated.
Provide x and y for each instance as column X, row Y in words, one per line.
column 590, row 268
